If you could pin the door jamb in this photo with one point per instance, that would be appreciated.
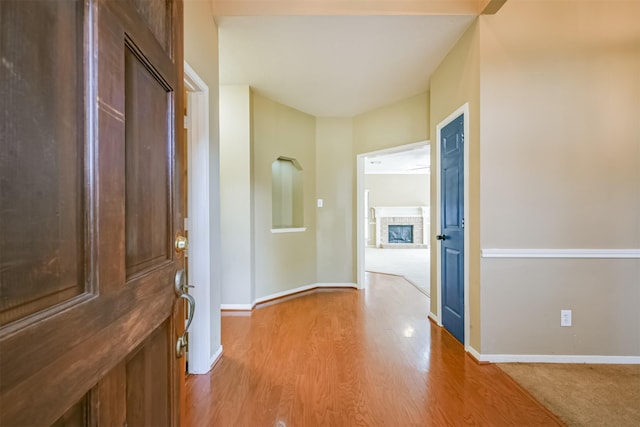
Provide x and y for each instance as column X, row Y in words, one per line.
column 199, row 256
column 360, row 244
column 464, row 110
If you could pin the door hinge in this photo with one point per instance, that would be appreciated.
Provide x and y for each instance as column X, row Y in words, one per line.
column 462, row 222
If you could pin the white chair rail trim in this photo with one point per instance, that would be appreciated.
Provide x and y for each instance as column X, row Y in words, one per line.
column 561, row 253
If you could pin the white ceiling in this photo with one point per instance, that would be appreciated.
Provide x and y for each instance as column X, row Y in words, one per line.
column 336, row 66
column 414, row 161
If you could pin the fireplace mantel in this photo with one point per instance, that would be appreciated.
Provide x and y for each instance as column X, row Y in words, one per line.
column 400, row 211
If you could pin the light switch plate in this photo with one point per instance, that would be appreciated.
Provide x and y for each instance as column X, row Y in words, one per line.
column 565, row 317
column 320, row 203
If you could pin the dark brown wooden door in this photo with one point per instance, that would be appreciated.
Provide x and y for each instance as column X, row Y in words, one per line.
column 90, row 104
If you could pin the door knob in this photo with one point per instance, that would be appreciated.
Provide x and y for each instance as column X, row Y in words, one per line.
column 182, row 343
column 441, row 237
column 181, row 289
column 180, row 283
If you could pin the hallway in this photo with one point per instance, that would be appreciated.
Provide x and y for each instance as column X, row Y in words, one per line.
column 352, row 358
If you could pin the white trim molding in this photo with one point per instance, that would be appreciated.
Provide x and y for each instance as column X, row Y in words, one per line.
column 289, row 230
column 435, row 318
column 236, row 307
column 216, row 357
column 249, row 307
column 554, row 358
column 212, row 362
column 561, row 253
column 201, row 341
column 302, row 289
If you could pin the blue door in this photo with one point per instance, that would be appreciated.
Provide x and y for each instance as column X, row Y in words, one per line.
column 451, row 236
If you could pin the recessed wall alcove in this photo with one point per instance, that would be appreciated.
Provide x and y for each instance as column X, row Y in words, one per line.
column 286, row 194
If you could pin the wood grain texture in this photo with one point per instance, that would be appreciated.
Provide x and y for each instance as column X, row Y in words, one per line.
column 74, row 417
column 42, row 228
column 353, row 358
column 157, row 15
column 54, row 359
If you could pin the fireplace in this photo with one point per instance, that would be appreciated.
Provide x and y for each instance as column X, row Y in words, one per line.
column 400, row 233
column 413, row 222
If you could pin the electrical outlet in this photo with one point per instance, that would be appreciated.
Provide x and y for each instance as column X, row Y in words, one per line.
column 565, row 317
column 320, row 203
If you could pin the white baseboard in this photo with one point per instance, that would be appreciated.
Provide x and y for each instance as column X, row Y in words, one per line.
column 302, row 289
column 215, row 358
column 249, row 307
column 337, row 285
column 552, row 358
column 239, row 307
column 435, row 318
column 212, row 361
column 474, row 353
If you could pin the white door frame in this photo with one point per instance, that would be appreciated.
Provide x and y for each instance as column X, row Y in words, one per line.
column 199, row 227
column 360, row 244
column 464, row 109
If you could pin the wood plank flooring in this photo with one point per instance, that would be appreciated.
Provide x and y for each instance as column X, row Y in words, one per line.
column 353, row 358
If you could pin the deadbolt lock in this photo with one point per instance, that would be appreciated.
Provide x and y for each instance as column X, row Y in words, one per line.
column 181, row 243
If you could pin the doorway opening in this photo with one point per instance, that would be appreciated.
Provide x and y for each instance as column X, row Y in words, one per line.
column 460, row 307
column 199, row 358
column 393, row 213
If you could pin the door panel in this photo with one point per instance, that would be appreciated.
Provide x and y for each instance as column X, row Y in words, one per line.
column 147, row 223
column 452, row 200
column 41, row 173
column 148, row 385
column 89, row 207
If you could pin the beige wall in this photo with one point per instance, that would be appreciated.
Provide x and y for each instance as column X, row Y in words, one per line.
column 398, row 189
column 236, row 195
column 283, row 261
column 201, row 52
column 402, row 123
column 456, row 82
column 334, row 175
column 561, row 169
column 279, row 130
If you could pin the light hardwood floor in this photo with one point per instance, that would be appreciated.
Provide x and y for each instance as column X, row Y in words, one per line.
column 352, row 358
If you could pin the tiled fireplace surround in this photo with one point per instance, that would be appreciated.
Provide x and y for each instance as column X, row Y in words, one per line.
column 418, row 216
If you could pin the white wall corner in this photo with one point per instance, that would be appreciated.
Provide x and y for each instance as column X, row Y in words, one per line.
column 474, row 353
column 215, row 358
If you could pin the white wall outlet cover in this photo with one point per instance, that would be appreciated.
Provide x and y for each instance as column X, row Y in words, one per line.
column 565, row 317
column 320, row 203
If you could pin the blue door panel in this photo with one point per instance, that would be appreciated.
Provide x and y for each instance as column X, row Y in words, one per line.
column 452, row 209
column 452, row 205
column 452, row 299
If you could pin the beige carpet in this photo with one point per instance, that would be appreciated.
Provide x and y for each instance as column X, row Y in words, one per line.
column 583, row 395
column 413, row 264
